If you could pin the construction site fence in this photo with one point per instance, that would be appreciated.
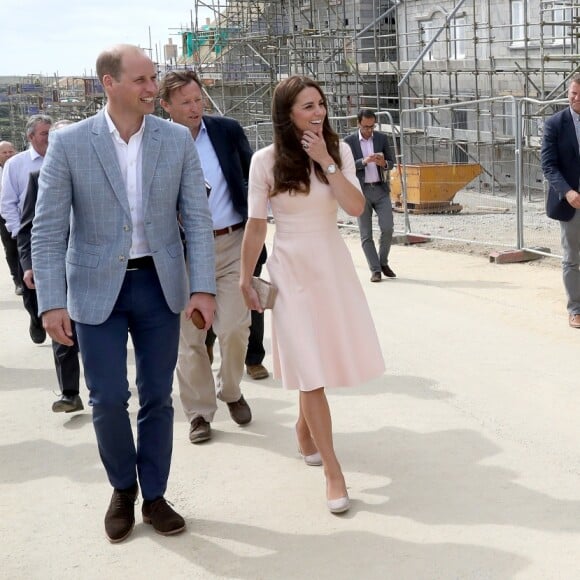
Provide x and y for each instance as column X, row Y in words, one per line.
column 467, row 173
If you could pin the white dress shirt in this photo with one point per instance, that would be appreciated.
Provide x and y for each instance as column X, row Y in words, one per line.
column 221, row 206
column 15, row 178
column 371, row 169
column 130, row 157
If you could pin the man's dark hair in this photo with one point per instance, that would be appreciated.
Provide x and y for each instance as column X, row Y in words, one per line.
column 366, row 114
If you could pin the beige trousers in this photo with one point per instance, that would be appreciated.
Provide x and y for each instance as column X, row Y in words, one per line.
column 197, row 388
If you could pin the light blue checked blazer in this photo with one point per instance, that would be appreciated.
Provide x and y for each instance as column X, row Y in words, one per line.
column 81, row 185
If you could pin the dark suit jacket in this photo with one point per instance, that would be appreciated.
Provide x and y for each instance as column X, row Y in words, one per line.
column 560, row 164
column 234, row 154
column 380, row 145
column 24, row 234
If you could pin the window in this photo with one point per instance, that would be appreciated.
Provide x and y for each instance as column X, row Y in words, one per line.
column 457, row 39
column 518, row 28
column 561, row 14
column 427, row 33
column 508, row 118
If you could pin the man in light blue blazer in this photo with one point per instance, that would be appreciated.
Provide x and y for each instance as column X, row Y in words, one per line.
column 119, row 180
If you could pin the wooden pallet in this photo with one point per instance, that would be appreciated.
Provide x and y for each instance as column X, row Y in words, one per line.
column 429, row 208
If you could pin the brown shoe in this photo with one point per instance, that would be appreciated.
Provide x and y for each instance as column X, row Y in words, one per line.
column 388, row 272
column 376, row 277
column 200, row 430
column 164, row 519
column 120, row 517
column 257, row 372
column 575, row 320
column 240, row 411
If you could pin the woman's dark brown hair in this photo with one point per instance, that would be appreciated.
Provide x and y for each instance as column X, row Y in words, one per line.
column 291, row 163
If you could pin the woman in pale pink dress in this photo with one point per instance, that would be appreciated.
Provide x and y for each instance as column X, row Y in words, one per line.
column 322, row 331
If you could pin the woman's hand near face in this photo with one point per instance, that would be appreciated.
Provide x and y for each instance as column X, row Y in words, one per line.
column 315, row 147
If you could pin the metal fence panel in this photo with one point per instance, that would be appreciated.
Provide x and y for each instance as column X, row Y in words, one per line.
column 466, row 172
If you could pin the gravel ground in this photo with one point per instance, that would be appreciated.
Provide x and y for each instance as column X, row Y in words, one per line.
column 485, row 224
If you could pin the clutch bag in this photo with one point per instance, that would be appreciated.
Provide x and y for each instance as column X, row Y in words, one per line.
column 266, row 292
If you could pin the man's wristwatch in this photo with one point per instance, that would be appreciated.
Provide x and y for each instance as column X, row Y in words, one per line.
column 331, row 169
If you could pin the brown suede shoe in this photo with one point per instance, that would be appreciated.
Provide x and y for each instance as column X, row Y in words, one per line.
column 257, row 372
column 200, row 430
column 388, row 272
column 240, row 411
column 120, row 517
column 164, row 519
column 575, row 320
column 376, row 277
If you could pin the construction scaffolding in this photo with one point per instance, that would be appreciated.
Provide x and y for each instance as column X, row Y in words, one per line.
column 72, row 98
column 246, row 47
column 393, row 56
column 456, row 82
column 400, row 57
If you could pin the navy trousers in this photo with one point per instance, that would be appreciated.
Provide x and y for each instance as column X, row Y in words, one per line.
column 142, row 312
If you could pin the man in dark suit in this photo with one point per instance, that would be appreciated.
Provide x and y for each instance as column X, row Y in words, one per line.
column 10, row 249
column 561, row 167
column 225, row 156
column 373, row 155
column 107, row 253
column 66, row 358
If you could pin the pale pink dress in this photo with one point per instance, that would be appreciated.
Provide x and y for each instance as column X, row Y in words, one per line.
column 323, row 334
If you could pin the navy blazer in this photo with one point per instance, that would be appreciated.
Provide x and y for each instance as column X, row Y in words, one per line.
column 560, row 164
column 234, row 154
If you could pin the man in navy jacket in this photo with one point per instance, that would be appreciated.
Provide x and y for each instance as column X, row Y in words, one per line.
column 561, row 166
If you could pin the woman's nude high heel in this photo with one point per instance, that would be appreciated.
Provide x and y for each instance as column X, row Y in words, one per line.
column 313, row 460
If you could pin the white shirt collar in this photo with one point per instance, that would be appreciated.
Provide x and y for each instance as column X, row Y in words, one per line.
column 113, row 128
column 34, row 154
column 361, row 138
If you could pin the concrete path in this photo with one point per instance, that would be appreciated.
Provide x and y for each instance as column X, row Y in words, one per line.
column 462, row 461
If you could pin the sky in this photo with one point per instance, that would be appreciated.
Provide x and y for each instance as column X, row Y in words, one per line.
column 64, row 37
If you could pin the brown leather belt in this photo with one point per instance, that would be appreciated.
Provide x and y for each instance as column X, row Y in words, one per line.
column 228, row 230
column 142, row 263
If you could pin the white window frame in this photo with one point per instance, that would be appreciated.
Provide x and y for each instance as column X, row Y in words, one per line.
column 560, row 32
column 518, row 25
column 427, row 30
column 457, row 45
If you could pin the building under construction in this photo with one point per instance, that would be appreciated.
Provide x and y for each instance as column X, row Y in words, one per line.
column 71, row 98
column 447, row 73
column 449, row 78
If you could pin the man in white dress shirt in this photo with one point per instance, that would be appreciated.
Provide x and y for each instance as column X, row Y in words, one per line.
column 14, row 185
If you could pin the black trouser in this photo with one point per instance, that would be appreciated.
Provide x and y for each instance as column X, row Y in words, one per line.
column 10, row 249
column 66, row 363
column 256, row 353
column 29, row 299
